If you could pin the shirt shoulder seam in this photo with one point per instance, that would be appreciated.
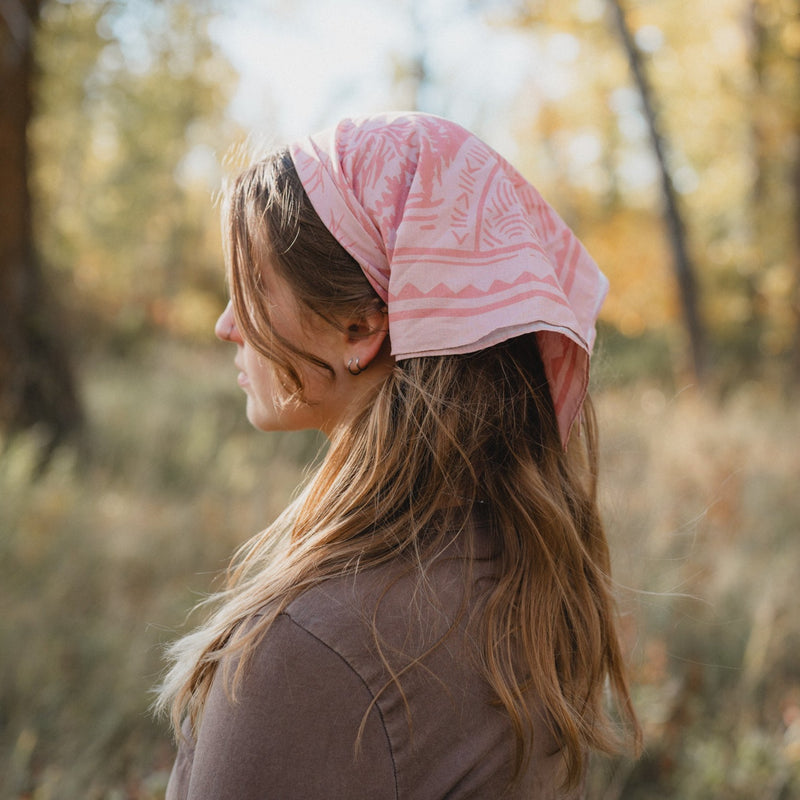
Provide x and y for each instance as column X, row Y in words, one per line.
column 376, row 705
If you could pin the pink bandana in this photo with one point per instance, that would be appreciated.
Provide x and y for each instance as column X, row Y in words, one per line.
column 462, row 249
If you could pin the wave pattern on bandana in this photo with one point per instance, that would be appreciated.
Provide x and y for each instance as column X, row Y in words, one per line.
column 462, row 249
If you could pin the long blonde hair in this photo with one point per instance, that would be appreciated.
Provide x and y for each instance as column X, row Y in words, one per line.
column 474, row 428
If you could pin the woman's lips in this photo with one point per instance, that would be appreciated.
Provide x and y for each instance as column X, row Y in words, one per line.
column 241, row 378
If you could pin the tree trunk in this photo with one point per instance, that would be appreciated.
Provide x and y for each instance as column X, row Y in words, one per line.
column 684, row 270
column 795, row 297
column 36, row 383
column 762, row 209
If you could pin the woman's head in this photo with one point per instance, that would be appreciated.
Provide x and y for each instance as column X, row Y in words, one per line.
column 412, row 214
column 305, row 318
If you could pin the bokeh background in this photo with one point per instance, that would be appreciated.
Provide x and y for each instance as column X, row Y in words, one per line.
column 667, row 133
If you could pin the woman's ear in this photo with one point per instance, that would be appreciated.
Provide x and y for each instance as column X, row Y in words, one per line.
column 366, row 337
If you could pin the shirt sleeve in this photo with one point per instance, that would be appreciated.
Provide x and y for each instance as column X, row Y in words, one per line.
column 291, row 733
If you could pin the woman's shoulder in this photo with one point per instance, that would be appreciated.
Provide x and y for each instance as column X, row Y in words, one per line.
column 406, row 632
column 369, row 679
column 402, row 607
column 287, row 729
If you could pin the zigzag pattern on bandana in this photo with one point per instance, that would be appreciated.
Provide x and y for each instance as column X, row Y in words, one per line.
column 462, row 249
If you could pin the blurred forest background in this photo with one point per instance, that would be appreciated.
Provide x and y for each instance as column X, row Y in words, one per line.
column 667, row 132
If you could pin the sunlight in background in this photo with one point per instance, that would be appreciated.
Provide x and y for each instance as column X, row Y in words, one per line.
column 298, row 68
column 305, row 65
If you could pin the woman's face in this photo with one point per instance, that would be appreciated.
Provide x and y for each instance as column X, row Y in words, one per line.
column 326, row 399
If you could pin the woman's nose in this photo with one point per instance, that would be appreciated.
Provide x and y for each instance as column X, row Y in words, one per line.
column 225, row 328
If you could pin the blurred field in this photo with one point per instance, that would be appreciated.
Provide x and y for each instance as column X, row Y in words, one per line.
column 102, row 555
column 702, row 505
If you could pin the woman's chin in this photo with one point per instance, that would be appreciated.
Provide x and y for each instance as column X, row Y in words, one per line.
column 267, row 420
column 258, row 417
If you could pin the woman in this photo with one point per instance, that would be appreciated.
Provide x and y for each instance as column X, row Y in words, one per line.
column 432, row 616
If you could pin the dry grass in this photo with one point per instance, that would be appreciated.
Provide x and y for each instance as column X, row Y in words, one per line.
column 702, row 505
column 101, row 557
